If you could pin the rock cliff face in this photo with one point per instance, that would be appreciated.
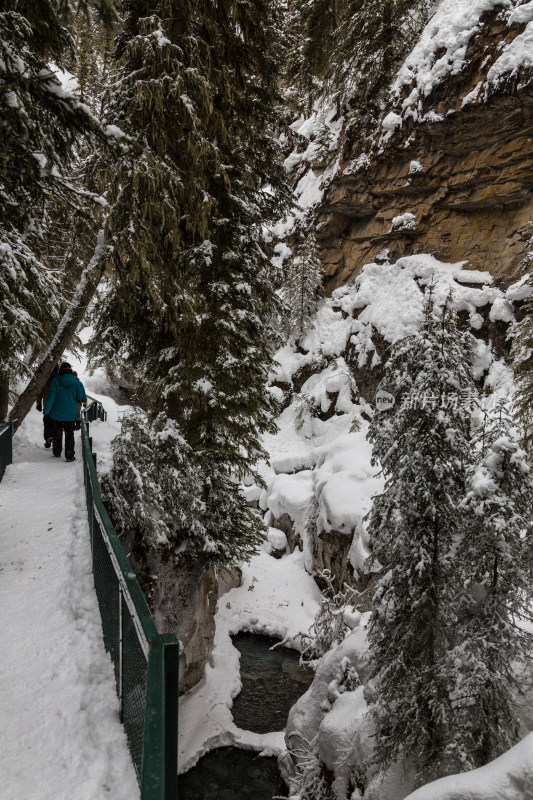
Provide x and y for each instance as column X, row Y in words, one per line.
column 183, row 599
column 463, row 175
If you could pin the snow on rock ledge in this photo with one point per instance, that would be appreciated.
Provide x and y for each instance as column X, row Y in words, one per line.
column 320, row 480
column 327, row 504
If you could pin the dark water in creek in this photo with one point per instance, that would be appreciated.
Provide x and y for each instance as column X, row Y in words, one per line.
column 229, row 773
column 272, row 681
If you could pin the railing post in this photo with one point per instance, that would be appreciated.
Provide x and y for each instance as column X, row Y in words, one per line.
column 120, row 654
column 153, row 764
column 171, row 653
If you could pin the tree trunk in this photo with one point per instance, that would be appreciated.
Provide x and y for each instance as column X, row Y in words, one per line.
column 75, row 313
column 4, row 397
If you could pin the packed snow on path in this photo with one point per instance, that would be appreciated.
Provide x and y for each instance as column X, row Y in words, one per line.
column 62, row 738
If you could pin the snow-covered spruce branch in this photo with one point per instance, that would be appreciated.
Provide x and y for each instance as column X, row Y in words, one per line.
column 330, row 626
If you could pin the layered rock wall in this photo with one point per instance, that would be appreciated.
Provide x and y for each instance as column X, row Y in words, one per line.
column 464, row 173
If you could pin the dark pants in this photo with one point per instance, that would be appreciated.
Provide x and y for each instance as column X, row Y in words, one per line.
column 48, row 425
column 57, row 446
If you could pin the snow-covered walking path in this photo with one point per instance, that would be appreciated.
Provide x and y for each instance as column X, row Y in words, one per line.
column 61, row 735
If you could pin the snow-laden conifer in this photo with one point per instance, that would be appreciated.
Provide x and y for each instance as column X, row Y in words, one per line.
column 192, row 296
column 522, row 360
column 302, row 286
column 313, row 29
column 41, row 124
column 415, row 526
column 348, row 50
column 373, row 37
column 495, row 558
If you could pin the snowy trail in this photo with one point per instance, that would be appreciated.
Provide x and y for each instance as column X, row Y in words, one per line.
column 62, row 738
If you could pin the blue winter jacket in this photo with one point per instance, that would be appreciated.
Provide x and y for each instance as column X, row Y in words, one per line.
column 63, row 395
column 84, row 398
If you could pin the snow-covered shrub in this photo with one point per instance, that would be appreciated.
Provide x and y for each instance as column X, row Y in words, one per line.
column 306, row 407
column 334, row 620
column 310, row 781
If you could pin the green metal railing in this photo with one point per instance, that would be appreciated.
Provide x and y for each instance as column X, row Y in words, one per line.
column 94, row 410
column 6, row 446
column 145, row 662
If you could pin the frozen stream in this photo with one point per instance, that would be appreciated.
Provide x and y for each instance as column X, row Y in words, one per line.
column 272, row 681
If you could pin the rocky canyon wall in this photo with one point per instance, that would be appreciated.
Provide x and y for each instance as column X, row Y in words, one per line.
column 451, row 175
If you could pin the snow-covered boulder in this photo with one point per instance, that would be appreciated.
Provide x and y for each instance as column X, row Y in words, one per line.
column 331, row 723
column 307, row 714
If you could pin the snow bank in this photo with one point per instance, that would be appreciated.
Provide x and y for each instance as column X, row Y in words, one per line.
column 344, row 484
column 307, row 714
column 509, row 777
column 332, row 722
column 294, row 495
column 392, row 302
column 335, row 494
column 276, row 598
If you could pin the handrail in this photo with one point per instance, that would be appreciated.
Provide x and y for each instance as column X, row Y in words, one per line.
column 146, row 662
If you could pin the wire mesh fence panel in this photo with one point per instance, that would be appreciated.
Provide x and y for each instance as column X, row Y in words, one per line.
column 145, row 663
column 6, row 446
column 134, row 674
column 107, row 586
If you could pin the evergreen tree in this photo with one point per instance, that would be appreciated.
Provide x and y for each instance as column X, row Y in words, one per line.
column 522, row 361
column 313, row 29
column 372, row 40
column 192, row 291
column 41, row 126
column 302, row 286
column 94, row 47
column 495, row 555
column 350, row 49
column 423, row 447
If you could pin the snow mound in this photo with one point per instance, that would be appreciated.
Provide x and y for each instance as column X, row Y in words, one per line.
column 509, row 777
column 392, row 302
column 337, row 492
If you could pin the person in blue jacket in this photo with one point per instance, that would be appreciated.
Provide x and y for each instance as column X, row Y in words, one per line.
column 64, row 394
